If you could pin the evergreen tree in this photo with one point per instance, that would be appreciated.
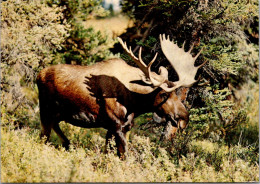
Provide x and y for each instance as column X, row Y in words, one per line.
column 228, row 32
column 84, row 45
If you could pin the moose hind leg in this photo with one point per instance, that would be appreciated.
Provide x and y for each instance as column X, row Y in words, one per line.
column 64, row 139
column 46, row 126
column 47, row 119
column 45, row 131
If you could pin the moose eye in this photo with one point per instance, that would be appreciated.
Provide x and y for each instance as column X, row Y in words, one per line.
column 164, row 96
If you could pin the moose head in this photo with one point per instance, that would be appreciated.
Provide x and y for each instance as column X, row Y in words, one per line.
column 170, row 108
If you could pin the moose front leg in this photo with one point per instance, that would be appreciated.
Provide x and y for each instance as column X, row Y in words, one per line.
column 121, row 143
column 120, row 139
column 122, row 123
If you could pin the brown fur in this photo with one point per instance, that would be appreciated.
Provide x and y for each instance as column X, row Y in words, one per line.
column 108, row 94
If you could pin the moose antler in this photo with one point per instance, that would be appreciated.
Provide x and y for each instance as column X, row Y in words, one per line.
column 181, row 61
column 153, row 78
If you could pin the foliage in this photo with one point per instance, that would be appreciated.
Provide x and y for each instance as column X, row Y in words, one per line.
column 227, row 32
column 90, row 47
column 247, row 132
column 218, row 27
column 218, row 116
column 25, row 158
column 31, row 33
column 84, row 45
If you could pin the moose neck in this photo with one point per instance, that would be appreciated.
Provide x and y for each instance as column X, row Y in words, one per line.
column 144, row 103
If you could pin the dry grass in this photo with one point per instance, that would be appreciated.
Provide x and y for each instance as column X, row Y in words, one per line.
column 112, row 26
column 25, row 158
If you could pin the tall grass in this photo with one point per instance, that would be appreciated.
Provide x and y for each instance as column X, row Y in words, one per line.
column 25, row 158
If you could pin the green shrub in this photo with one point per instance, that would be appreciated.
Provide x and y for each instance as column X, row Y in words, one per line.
column 228, row 33
column 84, row 46
column 31, row 34
column 218, row 117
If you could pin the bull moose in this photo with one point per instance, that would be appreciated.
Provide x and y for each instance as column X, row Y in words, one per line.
column 111, row 93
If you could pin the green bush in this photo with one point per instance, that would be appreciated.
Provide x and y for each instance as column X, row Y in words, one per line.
column 31, row 34
column 227, row 31
column 84, row 46
column 219, row 115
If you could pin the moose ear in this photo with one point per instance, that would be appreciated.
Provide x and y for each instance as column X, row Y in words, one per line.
column 182, row 93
